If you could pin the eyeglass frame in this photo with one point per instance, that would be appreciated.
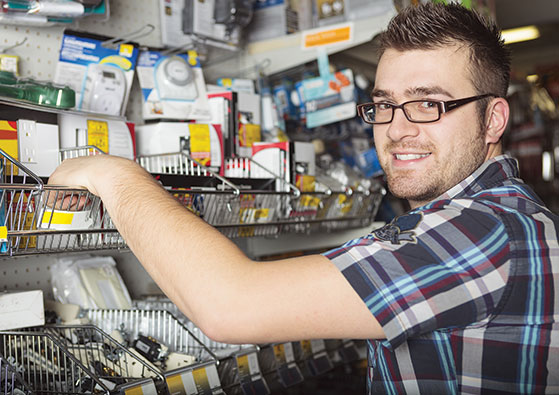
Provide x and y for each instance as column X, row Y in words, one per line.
column 443, row 106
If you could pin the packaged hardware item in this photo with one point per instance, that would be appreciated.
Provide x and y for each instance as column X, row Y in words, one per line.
column 90, row 282
column 276, row 18
column 203, row 142
column 112, row 136
column 173, row 87
column 329, row 98
column 99, row 72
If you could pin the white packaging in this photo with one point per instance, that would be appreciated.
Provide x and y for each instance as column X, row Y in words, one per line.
column 90, row 282
column 110, row 135
column 169, row 137
column 173, row 87
column 38, row 146
column 21, row 309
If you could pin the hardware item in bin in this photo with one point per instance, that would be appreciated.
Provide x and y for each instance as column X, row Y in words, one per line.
column 11, row 381
column 150, row 348
column 21, row 309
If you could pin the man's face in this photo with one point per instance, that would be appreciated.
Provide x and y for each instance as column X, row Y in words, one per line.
column 422, row 161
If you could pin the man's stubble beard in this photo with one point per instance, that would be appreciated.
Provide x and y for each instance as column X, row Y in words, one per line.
column 438, row 179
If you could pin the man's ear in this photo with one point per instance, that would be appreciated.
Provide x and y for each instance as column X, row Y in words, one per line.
column 497, row 116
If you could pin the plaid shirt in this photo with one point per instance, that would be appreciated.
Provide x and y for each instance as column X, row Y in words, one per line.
column 466, row 289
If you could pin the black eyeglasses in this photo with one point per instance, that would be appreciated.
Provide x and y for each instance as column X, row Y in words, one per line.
column 417, row 111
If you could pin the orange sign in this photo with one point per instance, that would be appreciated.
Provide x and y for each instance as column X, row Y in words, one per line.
column 329, row 36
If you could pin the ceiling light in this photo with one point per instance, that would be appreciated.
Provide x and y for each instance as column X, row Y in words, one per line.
column 520, row 34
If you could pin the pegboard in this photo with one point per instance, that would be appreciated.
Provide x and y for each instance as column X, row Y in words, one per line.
column 25, row 273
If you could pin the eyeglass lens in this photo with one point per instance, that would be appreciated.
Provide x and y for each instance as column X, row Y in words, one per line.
column 421, row 111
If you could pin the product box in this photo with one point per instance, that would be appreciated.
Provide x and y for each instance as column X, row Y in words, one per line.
column 21, row 310
column 172, row 87
column 248, row 123
column 204, row 142
column 328, row 99
column 223, row 112
column 275, row 158
column 34, row 144
column 112, row 136
column 183, row 19
column 99, row 73
column 276, row 18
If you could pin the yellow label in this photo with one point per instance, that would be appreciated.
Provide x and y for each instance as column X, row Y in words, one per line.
column 249, row 133
column 327, row 37
column 9, row 63
column 306, row 347
column 261, row 213
column 175, row 384
column 305, row 183
column 310, row 201
column 200, row 143
column 242, row 363
column 279, row 353
column 3, row 233
column 58, row 218
column 201, row 379
column 192, row 57
column 126, row 50
column 345, row 203
column 8, row 143
column 226, row 82
column 134, row 391
column 98, row 134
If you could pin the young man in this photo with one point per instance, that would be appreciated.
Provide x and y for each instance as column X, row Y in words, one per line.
column 458, row 295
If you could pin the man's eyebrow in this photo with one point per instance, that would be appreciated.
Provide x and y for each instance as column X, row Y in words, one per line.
column 427, row 90
column 381, row 93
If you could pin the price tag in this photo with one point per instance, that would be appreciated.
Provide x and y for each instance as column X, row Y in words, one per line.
column 98, row 134
column 252, row 382
column 288, row 371
column 202, row 380
column 145, row 388
column 332, row 35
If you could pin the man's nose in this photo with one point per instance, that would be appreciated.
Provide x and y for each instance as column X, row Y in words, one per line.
column 401, row 127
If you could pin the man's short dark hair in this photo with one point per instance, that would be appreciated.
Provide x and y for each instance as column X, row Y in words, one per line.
column 432, row 26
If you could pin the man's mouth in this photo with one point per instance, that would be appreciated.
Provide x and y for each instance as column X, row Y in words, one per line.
column 411, row 156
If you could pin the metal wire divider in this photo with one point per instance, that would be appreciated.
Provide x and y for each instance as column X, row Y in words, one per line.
column 37, row 218
column 109, row 360
column 11, row 382
column 46, row 366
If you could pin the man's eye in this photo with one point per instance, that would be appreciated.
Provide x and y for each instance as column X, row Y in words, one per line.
column 383, row 106
column 428, row 104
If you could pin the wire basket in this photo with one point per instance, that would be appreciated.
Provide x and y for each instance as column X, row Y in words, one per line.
column 11, row 382
column 37, row 218
column 106, row 357
column 47, row 367
column 242, row 212
column 228, row 355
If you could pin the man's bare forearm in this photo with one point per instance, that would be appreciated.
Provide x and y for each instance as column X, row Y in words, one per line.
column 181, row 252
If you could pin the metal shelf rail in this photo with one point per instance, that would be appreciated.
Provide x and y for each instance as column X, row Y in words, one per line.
column 36, row 218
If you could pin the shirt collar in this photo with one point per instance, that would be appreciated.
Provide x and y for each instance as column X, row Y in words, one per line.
column 492, row 172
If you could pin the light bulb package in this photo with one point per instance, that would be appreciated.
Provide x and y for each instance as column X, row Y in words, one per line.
column 172, row 87
column 101, row 74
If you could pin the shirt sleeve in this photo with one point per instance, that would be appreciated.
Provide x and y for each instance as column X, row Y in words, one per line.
column 440, row 267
